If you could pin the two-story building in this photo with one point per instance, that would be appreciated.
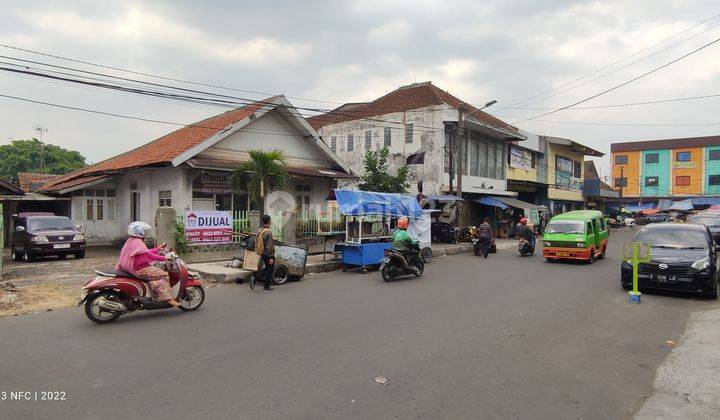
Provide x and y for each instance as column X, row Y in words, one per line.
column 655, row 171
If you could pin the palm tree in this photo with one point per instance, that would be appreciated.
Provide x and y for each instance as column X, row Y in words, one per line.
column 263, row 171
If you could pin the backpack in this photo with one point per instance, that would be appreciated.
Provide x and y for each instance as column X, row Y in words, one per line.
column 260, row 241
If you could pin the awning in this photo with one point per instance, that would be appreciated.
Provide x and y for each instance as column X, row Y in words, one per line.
column 639, row 207
column 491, row 201
column 519, row 204
column 444, row 198
column 362, row 203
column 665, row 204
column 705, row 201
column 648, row 212
column 683, row 205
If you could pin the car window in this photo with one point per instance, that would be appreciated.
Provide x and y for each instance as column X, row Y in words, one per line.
column 673, row 238
column 49, row 223
column 566, row 226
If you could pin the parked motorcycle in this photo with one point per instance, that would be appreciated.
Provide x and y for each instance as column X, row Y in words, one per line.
column 445, row 233
column 391, row 265
column 525, row 247
column 112, row 293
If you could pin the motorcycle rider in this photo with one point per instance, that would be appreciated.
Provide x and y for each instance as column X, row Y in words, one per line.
column 138, row 260
column 485, row 235
column 402, row 242
column 523, row 231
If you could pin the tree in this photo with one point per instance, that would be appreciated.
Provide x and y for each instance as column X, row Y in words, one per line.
column 24, row 156
column 264, row 171
column 377, row 174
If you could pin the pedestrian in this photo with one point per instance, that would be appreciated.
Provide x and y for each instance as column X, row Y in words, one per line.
column 485, row 235
column 265, row 247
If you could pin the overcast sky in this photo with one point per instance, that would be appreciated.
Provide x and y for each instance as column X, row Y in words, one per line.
column 343, row 51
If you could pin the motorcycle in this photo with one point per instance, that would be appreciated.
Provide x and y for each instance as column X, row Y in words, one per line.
column 112, row 292
column 391, row 265
column 525, row 247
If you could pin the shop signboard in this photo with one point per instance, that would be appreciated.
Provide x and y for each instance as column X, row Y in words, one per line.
column 215, row 182
column 520, row 159
column 208, row 226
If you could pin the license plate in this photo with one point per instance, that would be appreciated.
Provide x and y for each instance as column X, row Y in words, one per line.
column 562, row 254
column 663, row 278
column 61, row 246
column 385, row 260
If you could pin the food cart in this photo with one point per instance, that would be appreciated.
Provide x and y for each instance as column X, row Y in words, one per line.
column 367, row 224
column 420, row 229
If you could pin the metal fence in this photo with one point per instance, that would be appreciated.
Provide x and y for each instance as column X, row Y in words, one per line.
column 310, row 225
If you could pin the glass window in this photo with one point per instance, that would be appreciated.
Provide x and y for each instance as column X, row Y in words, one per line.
column 714, row 154
column 566, row 226
column 673, row 238
column 49, row 223
column 409, row 133
column 714, row 180
column 165, row 198
column 682, row 181
column 89, row 209
column 577, row 169
column 463, row 154
column 368, row 140
column 110, row 193
column 110, row 208
column 483, row 158
column 387, row 139
column 620, row 182
column 652, row 158
column 99, row 208
column 682, row 156
column 350, row 142
column 473, row 156
column 621, row 159
column 651, row 181
column 333, row 143
column 223, row 202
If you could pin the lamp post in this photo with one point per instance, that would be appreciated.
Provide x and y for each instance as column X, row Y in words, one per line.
column 461, row 123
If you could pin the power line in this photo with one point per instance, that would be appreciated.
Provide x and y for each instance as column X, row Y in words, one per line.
column 622, row 84
column 630, row 124
column 660, row 101
column 616, row 62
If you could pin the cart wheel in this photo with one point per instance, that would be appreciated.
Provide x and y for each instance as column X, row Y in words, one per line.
column 252, row 281
column 364, row 270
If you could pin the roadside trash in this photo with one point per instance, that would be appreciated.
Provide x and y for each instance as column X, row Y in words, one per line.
column 8, row 287
column 382, row 381
column 670, row 342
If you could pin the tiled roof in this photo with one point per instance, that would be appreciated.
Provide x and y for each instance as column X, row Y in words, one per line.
column 32, row 181
column 162, row 151
column 665, row 144
column 406, row 98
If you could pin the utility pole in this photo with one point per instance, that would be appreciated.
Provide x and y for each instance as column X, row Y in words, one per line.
column 460, row 140
column 451, row 156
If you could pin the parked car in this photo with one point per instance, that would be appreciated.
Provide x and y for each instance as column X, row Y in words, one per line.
column 576, row 235
column 711, row 220
column 658, row 218
column 683, row 257
column 45, row 234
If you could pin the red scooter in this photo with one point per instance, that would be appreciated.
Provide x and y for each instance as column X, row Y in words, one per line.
column 112, row 293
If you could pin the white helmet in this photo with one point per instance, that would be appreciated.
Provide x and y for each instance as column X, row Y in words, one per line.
column 138, row 229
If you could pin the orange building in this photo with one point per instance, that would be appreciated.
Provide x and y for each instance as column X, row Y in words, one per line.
column 626, row 172
column 687, row 171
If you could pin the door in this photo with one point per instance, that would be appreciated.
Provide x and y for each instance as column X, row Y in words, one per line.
column 134, row 206
column 591, row 237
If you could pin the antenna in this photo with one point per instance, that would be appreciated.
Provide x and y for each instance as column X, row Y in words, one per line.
column 40, row 129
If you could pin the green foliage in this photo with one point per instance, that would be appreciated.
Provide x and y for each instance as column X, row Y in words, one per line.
column 377, row 174
column 24, row 156
column 181, row 242
column 264, row 171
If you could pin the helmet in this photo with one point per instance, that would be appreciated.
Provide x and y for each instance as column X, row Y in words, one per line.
column 523, row 221
column 402, row 223
column 138, row 229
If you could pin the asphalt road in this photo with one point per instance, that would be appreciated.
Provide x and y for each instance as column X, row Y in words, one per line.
column 506, row 337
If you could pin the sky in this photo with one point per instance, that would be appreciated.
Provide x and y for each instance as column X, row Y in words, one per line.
column 320, row 54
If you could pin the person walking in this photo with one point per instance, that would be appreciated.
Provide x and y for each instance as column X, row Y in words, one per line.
column 265, row 247
column 485, row 235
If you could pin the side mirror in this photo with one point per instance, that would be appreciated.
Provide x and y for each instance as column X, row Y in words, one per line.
column 20, row 229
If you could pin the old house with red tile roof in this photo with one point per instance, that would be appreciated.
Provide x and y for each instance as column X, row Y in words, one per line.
column 189, row 169
column 32, row 181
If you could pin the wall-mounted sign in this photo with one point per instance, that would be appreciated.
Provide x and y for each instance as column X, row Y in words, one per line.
column 685, row 165
column 520, row 159
column 208, row 226
column 215, row 182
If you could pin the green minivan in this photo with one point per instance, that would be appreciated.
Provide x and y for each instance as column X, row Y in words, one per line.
column 576, row 235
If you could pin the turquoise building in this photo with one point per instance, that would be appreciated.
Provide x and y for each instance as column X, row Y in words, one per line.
column 712, row 170
column 655, row 179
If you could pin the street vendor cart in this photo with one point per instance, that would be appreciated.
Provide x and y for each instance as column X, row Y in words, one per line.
column 367, row 230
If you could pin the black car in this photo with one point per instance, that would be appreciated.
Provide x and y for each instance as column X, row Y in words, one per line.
column 38, row 235
column 711, row 220
column 683, row 258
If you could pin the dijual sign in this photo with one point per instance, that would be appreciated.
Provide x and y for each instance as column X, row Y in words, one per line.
column 208, row 226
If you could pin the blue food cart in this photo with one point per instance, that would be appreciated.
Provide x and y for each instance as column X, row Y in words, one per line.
column 367, row 224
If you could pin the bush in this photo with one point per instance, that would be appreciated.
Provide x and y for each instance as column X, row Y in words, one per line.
column 181, row 242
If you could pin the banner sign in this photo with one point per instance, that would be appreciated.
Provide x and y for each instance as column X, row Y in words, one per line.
column 215, row 182
column 208, row 226
column 520, row 159
column 685, row 165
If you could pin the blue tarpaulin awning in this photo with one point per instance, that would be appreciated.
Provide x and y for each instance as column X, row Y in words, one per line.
column 491, row 201
column 706, row 201
column 639, row 207
column 682, row 205
column 362, row 203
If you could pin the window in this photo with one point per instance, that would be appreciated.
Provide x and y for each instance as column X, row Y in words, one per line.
column 682, row 156
column 472, row 153
column 134, row 206
column 620, row 182
column 387, row 138
column 714, row 154
column 333, row 143
column 651, row 181
column 714, row 180
column 408, row 133
column 99, row 208
column 577, row 169
column 368, row 140
column 165, row 198
column 621, row 160
column 89, row 209
column 652, row 158
column 682, row 181
column 350, row 142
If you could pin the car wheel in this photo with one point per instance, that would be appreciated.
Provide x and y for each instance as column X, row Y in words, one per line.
column 592, row 257
column 80, row 255
column 602, row 254
column 28, row 256
column 16, row 256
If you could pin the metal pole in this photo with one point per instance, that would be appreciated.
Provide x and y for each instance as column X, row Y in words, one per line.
column 460, row 140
